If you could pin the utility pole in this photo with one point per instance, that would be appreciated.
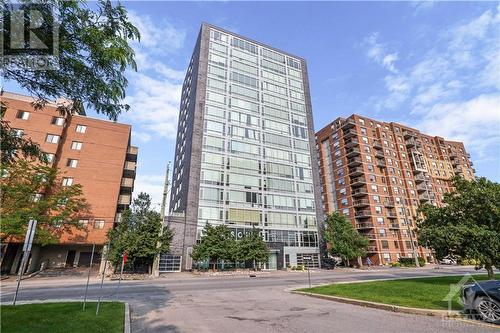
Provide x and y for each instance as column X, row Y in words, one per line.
column 156, row 263
column 415, row 254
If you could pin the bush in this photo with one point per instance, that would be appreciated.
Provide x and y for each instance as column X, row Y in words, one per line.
column 467, row 262
column 410, row 262
column 395, row 264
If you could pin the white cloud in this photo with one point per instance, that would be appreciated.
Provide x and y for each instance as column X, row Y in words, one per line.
column 155, row 89
column 153, row 185
column 377, row 52
column 453, row 88
column 475, row 121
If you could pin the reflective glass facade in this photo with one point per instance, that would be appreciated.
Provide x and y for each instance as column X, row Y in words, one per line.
column 256, row 165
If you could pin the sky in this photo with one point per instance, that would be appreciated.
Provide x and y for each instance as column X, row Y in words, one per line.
column 431, row 65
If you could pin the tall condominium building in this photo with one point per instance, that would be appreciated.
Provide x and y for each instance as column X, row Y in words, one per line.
column 245, row 149
column 94, row 153
column 378, row 173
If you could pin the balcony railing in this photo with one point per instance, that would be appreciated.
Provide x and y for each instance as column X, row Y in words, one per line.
column 377, row 145
column 359, row 192
column 132, row 150
column 356, row 171
column 363, row 214
column 350, row 133
column 409, row 134
column 349, row 123
column 392, row 215
column 419, row 178
column 388, row 203
column 394, row 226
column 351, row 142
column 127, row 182
column 410, row 143
column 355, row 161
column 352, row 152
column 365, row 225
column 421, row 188
column 359, row 181
column 361, row 203
column 124, row 199
column 381, row 164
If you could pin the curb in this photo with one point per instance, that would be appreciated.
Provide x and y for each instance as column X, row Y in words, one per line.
column 382, row 306
column 126, row 327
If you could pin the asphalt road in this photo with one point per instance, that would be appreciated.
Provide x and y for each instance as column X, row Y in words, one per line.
column 181, row 302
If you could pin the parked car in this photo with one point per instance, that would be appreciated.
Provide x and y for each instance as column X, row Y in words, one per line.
column 448, row 261
column 482, row 299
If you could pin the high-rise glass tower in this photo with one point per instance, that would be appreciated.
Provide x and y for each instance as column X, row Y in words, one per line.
column 245, row 153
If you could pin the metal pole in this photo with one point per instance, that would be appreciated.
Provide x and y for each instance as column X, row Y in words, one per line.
column 88, row 276
column 415, row 254
column 102, row 279
column 156, row 262
column 28, row 242
column 309, row 276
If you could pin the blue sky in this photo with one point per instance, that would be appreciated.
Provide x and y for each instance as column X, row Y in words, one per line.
column 432, row 65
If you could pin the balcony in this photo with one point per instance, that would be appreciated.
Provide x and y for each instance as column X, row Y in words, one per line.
column 365, row 225
column 355, row 161
column 371, row 249
column 361, row 203
column 363, row 214
column 359, row 192
column 422, row 188
column 388, row 203
column 379, row 154
column 419, row 178
column 410, row 143
column 468, row 155
column 349, row 123
column 455, row 163
column 124, row 199
column 352, row 152
column 132, row 153
column 350, row 133
column 381, row 164
column 408, row 134
column 392, row 215
column 369, row 235
column 359, row 181
column 356, row 171
column 394, row 226
column 377, row 145
column 127, row 182
column 129, row 169
column 351, row 143
column 453, row 156
column 424, row 197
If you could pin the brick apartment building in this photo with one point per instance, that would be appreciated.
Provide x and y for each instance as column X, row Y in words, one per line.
column 378, row 174
column 92, row 152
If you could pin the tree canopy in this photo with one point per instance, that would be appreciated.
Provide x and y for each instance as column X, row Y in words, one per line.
column 217, row 243
column 252, row 248
column 93, row 55
column 344, row 241
column 35, row 191
column 468, row 225
column 138, row 234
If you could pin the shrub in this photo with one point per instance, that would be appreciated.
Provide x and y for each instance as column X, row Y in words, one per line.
column 410, row 262
column 395, row 264
column 467, row 262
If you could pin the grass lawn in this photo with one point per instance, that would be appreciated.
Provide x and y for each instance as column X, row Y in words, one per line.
column 425, row 293
column 62, row 318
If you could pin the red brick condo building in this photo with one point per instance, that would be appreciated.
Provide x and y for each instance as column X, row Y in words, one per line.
column 92, row 152
column 378, row 173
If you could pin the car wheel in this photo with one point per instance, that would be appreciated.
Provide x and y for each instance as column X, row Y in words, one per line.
column 488, row 309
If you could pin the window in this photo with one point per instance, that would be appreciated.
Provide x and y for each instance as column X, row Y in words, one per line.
column 52, row 138
column 58, row 121
column 81, row 128
column 24, row 115
column 67, row 181
column 98, row 224
column 83, row 223
column 71, row 163
column 50, row 157
column 17, row 132
column 385, row 244
column 75, row 145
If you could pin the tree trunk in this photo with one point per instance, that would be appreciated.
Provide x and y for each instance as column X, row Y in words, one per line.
column 254, row 268
column 489, row 269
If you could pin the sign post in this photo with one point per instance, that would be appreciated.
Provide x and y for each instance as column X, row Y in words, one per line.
column 308, row 259
column 102, row 278
column 124, row 260
column 88, row 276
column 28, row 242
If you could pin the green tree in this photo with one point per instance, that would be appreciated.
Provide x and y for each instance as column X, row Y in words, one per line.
column 94, row 53
column 217, row 243
column 468, row 225
column 138, row 234
column 252, row 248
column 35, row 191
column 343, row 239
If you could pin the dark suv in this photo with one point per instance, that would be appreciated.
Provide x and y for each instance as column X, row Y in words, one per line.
column 483, row 299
